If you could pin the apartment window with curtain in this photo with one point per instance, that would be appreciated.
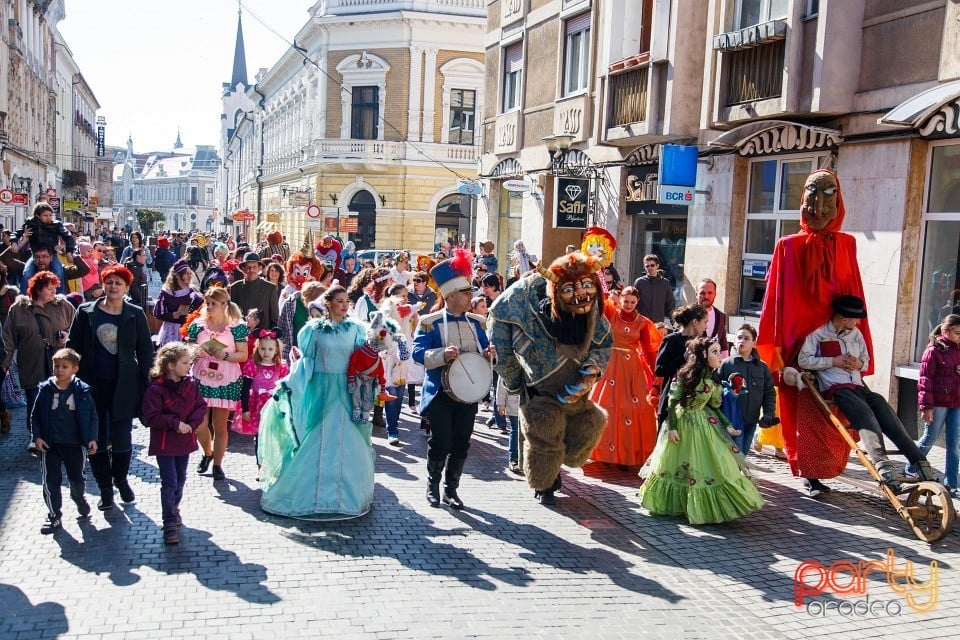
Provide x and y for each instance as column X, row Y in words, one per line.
column 576, row 54
column 365, row 113
column 939, row 283
column 751, row 12
column 462, row 115
column 512, row 70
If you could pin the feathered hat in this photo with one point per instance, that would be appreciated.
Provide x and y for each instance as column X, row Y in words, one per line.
column 454, row 273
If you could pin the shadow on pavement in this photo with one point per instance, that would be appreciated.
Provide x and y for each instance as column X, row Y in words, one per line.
column 22, row 619
column 108, row 551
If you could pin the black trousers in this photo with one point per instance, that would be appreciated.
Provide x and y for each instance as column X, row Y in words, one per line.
column 873, row 417
column 72, row 458
column 451, row 425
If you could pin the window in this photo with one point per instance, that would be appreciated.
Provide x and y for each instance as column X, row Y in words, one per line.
column 365, row 113
column 512, row 68
column 463, row 105
column 576, row 54
column 773, row 211
column 939, row 282
column 751, row 12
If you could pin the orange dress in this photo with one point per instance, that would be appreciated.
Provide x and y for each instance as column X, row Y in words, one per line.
column 631, row 431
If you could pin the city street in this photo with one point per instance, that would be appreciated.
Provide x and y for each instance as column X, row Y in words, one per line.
column 593, row 566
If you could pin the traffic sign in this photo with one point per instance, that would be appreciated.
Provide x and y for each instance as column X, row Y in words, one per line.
column 83, row 201
column 19, row 198
column 51, row 192
column 54, row 202
column 6, row 196
column 313, row 211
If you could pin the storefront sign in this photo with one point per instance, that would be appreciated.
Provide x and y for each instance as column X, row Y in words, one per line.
column 675, row 195
column 20, row 198
column 71, row 205
column 571, row 200
column 469, row 189
column 518, row 186
column 678, row 174
column 93, row 203
column 641, row 194
column 299, row 199
column 349, row 225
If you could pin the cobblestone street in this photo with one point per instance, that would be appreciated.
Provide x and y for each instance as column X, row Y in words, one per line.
column 593, row 566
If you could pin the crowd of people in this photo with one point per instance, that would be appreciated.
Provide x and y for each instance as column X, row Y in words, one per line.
column 275, row 344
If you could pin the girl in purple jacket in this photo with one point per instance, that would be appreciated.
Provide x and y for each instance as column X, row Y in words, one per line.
column 173, row 409
column 939, row 396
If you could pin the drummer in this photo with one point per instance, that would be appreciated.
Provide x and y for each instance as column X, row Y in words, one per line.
column 440, row 339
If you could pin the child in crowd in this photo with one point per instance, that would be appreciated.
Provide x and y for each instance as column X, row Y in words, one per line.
column 261, row 373
column 508, row 404
column 173, row 409
column 65, row 428
column 758, row 385
column 939, row 397
column 253, row 319
column 42, row 231
column 93, row 276
column 694, row 471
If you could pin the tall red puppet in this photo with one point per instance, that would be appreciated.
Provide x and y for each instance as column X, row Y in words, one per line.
column 808, row 271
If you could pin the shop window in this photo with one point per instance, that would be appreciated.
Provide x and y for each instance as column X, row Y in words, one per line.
column 773, row 211
column 508, row 227
column 939, row 284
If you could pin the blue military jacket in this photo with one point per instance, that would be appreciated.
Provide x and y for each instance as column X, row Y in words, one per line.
column 429, row 343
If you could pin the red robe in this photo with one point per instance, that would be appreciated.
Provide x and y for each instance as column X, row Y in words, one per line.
column 808, row 271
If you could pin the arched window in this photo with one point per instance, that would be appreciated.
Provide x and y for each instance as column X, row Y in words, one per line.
column 452, row 224
column 365, row 206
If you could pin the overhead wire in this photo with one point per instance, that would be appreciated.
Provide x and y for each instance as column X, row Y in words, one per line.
column 293, row 45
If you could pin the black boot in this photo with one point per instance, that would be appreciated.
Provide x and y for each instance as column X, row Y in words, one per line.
column 454, row 471
column 121, row 467
column 378, row 420
column 434, row 473
column 546, row 496
column 100, row 465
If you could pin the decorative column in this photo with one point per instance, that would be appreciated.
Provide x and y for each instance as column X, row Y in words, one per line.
column 429, row 93
column 414, row 111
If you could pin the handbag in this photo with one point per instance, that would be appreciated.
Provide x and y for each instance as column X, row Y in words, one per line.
column 48, row 349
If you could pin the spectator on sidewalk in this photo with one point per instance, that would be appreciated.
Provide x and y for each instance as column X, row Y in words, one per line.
column 656, row 294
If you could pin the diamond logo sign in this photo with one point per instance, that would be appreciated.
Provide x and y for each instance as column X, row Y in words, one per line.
column 573, row 191
column 571, row 202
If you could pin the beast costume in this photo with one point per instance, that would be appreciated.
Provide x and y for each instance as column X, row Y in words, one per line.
column 809, row 270
column 552, row 343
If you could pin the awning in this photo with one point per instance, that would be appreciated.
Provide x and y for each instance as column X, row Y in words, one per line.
column 764, row 137
column 914, row 112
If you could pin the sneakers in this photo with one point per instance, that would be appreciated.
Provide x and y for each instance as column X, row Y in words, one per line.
column 814, row 487
column 954, row 492
column 50, row 526
column 515, row 468
column 171, row 532
column 83, row 507
column 204, row 464
column 218, row 475
column 393, row 441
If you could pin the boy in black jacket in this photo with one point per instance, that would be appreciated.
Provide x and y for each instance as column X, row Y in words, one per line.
column 43, row 232
column 64, row 428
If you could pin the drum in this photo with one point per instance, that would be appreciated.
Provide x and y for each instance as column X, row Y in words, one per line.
column 467, row 379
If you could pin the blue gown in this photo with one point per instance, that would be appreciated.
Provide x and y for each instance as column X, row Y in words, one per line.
column 314, row 460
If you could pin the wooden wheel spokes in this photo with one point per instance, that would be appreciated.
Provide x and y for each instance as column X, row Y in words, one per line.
column 929, row 511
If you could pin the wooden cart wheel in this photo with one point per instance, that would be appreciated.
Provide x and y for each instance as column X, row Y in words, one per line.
column 930, row 512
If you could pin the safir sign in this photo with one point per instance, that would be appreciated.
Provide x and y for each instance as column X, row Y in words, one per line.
column 571, row 203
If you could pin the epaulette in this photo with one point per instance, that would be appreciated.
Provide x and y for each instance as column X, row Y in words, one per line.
column 479, row 318
column 426, row 322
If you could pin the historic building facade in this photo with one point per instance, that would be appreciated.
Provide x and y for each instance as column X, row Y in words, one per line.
column 767, row 90
column 378, row 136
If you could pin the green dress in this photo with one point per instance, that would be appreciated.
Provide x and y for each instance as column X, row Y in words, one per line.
column 701, row 476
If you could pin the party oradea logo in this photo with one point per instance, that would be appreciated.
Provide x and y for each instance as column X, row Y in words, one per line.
column 851, row 579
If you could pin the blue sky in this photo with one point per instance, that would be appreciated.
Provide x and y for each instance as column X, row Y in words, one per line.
column 154, row 66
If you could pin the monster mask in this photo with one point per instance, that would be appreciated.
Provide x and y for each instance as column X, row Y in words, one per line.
column 819, row 206
column 575, row 285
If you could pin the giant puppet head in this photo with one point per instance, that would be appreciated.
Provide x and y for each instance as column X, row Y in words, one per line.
column 574, row 284
column 599, row 243
column 328, row 250
column 274, row 238
column 303, row 268
column 821, row 207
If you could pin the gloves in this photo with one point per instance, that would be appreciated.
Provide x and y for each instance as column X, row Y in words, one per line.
column 766, row 423
column 792, row 377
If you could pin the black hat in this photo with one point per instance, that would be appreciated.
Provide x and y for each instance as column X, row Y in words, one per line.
column 849, row 307
column 251, row 256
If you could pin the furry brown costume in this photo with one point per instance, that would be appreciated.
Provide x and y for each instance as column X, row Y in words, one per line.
column 552, row 344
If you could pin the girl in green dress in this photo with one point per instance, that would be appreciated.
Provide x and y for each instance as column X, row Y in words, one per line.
column 695, row 470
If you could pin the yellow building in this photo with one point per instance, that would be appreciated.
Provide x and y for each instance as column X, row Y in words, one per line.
column 365, row 130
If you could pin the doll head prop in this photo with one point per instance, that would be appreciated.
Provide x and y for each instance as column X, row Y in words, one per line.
column 381, row 333
column 821, row 203
column 329, row 250
column 303, row 268
column 599, row 243
column 574, row 283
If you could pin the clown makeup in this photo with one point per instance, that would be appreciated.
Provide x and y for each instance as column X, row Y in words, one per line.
column 578, row 297
column 713, row 356
column 819, row 205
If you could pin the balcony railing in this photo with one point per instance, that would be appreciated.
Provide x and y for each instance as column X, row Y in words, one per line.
column 755, row 73
column 628, row 97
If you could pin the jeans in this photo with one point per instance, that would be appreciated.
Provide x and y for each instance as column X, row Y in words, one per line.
column 72, row 457
column 873, row 417
column 116, row 434
column 173, row 475
column 30, row 269
column 931, row 432
column 499, row 420
column 745, row 439
column 391, row 411
column 514, row 446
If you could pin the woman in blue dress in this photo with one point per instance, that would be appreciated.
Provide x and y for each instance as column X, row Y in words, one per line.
column 316, row 463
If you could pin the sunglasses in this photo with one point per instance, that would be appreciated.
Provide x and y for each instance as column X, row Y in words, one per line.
column 481, row 270
column 417, row 281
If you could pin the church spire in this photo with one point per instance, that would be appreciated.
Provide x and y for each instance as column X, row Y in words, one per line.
column 239, row 57
column 178, row 144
